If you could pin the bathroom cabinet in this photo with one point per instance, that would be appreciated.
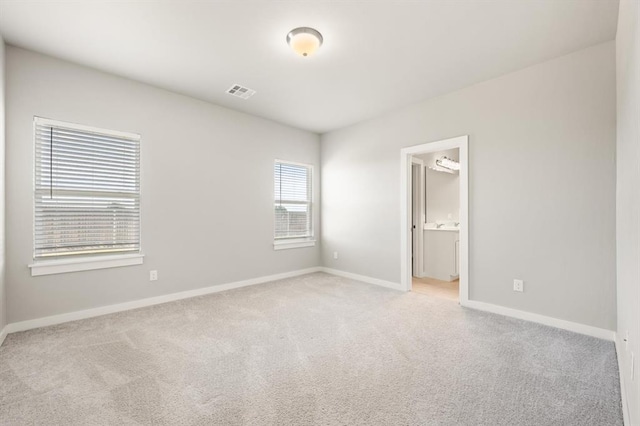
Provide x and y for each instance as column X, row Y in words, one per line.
column 441, row 254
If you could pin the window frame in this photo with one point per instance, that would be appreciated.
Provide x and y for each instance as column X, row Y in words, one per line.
column 295, row 242
column 83, row 262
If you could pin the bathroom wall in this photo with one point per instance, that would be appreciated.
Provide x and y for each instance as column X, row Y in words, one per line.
column 442, row 190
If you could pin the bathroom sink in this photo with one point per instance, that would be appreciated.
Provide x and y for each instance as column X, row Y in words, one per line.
column 434, row 227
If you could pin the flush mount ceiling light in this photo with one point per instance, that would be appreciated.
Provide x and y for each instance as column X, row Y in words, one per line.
column 304, row 40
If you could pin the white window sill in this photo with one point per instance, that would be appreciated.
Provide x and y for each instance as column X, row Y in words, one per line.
column 61, row 266
column 291, row 244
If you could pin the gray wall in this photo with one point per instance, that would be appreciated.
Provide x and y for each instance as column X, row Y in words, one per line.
column 3, row 293
column 628, row 198
column 542, row 186
column 207, row 187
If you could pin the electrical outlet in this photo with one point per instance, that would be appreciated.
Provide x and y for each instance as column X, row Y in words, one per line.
column 153, row 275
column 335, row 254
column 518, row 285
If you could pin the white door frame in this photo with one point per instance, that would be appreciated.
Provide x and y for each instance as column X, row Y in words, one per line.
column 461, row 142
column 418, row 256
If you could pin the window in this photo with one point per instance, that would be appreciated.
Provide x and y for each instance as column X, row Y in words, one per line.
column 293, row 205
column 87, row 192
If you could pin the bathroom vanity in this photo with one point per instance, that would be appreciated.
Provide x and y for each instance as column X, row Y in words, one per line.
column 441, row 252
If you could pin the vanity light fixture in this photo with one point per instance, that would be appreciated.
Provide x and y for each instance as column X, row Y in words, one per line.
column 448, row 163
column 304, row 40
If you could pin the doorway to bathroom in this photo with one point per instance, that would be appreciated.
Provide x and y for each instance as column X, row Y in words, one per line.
column 435, row 204
column 435, row 219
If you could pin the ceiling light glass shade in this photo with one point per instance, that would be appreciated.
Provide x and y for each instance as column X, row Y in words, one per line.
column 304, row 40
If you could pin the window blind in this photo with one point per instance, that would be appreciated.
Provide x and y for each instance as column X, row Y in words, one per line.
column 87, row 191
column 292, row 200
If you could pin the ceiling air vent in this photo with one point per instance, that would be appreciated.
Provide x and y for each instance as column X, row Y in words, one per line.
column 241, row 92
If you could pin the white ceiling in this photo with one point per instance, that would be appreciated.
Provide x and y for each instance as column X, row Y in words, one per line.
column 377, row 55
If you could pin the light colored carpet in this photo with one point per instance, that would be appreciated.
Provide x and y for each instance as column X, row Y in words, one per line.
column 316, row 349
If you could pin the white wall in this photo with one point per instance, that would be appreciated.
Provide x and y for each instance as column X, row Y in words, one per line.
column 442, row 189
column 3, row 293
column 628, row 197
column 207, row 187
column 542, row 186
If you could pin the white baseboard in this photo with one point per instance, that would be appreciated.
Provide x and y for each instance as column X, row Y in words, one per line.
column 523, row 315
column 3, row 334
column 623, row 391
column 110, row 309
column 104, row 310
column 588, row 330
column 363, row 278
